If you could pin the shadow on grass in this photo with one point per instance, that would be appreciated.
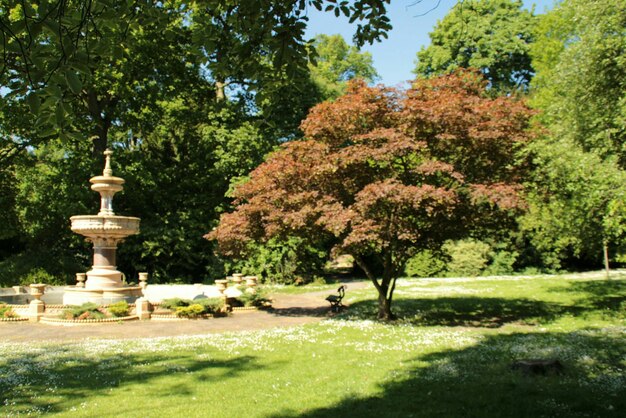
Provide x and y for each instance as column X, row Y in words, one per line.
column 468, row 311
column 478, row 381
column 47, row 383
column 601, row 294
column 604, row 299
column 297, row 311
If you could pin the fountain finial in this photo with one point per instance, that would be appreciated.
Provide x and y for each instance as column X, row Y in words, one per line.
column 107, row 172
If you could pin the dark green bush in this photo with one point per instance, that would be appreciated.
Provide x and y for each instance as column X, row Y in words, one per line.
column 286, row 261
column 210, row 305
column 501, row 263
column 426, row 263
column 257, row 298
column 119, row 309
column 174, row 303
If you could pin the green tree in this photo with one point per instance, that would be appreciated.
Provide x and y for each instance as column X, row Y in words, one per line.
column 576, row 203
column 336, row 63
column 577, row 194
column 580, row 56
column 491, row 35
column 81, row 63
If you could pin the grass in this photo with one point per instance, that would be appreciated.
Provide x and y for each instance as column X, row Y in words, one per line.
column 449, row 356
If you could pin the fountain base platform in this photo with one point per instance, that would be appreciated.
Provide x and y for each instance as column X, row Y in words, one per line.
column 78, row 295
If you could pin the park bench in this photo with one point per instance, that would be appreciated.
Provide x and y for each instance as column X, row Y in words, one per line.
column 335, row 300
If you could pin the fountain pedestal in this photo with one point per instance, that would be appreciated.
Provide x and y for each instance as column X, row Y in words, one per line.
column 105, row 230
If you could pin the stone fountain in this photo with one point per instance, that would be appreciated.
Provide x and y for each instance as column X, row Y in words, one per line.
column 105, row 230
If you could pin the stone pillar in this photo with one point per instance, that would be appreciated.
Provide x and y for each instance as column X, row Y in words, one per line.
column 104, row 273
column 80, row 279
column 143, row 280
column 238, row 279
column 222, row 285
column 36, row 309
column 251, row 282
column 142, row 308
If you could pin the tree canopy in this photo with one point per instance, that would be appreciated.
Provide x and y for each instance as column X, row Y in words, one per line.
column 75, row 63
column 336, row 62
column 491, row 35
column 382, row 174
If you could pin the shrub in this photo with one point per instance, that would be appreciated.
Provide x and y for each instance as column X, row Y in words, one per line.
column 210, row 305
column 467, row 257
column 425, row 264
column 257, row 298
column 501, row 263
column 87, row 310
column 6, row 311
column 174, row 303
column 119, row 309
column 282, row 261
column 191, row 311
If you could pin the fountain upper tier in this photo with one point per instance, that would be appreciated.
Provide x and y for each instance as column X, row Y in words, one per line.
column 106, row 225
column 105, row 230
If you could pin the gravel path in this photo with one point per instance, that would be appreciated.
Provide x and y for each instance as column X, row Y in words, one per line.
column 287, row 310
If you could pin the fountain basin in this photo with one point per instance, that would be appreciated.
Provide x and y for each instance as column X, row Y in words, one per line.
column 109, row 226
column 79, row 295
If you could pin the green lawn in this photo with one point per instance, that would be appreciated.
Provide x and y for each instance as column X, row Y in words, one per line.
column 449, row 357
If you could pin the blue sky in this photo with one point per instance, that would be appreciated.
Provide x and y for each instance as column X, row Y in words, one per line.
column 412, row 20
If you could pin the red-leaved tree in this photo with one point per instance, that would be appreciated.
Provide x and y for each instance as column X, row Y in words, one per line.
column 383, row 174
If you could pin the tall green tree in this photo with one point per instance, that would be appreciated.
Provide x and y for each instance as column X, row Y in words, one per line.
column 336, row 63
column 577, row 198
column 491, row 35
column 147, row 77
column 74, row 62
column 577, row 204
column 580, row 56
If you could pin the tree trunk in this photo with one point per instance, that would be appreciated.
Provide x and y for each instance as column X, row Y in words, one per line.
column 220, row 95
column 605, row 246
column 100, row 110
column 384, row 308
column 384, row 296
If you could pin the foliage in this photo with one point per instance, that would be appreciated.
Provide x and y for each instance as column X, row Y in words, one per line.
column 576, row 203
column 87, row 310
column 6, row 311
column 580, row 85
column 145, row 78
column 258, row 298
column 193, row 308
column 491, row 35
column 501, row 263
column 281, row 261
column 192, row 311
column 425, row 263
column 336, row 62
column 467, row 257
column 40, row 267
column 119, row 309
column 382, row 175
column 174, row 303
column 576, row 193
column 77, row 64
column 210, row 305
